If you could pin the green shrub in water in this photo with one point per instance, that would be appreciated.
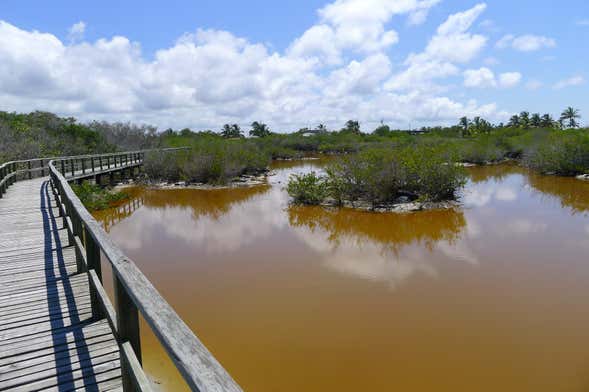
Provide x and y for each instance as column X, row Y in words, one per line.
column 96, row 198
column 307, row 188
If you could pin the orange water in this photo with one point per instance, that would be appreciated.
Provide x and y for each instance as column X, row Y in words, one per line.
column 492, row 296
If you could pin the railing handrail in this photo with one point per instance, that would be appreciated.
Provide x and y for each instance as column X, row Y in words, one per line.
column 106, row 154
column 199, row 368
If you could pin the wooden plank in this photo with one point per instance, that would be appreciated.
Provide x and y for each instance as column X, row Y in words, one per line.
column 46, row 339
column 47, row 325
column 75, row 379
column 67, row 301
column 65, row 361
column 54, row 349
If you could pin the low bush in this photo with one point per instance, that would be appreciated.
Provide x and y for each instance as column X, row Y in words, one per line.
column 383, row 175
column 209, row 160
column 561, row 154
column 96, row 198
column 307, row 188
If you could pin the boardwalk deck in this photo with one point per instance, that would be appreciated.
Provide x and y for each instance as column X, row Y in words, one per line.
column 48, row 337
column 58, row 329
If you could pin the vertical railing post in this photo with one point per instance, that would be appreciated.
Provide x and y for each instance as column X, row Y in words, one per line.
column 29, row 168
column 13, row 170
column 127, row 327
column 93, row 259
column 73, row 167
column 62, row 167
column 83, row 166
column 92, row 163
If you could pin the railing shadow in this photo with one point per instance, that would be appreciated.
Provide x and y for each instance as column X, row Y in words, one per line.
column 54, row 260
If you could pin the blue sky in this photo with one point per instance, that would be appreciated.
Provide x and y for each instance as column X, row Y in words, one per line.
column 292, row 64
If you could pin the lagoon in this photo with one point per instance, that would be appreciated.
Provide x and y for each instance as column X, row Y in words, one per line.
column 489, row 296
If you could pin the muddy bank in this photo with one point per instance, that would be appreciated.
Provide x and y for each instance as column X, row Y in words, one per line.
column 400, row 207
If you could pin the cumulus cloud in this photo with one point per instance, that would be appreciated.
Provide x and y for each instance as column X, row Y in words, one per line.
column 357, row 25
column 484, row 77
column 452, row 44
column 509, row 79
column 576, row 80
column 336, row 70
column 76, row 31
column 525, row 43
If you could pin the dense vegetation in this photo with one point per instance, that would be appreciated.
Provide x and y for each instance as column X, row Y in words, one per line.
column 209, row 160
column 383, row 175
column 378, row 166
column 42, row 134
column 96, row 198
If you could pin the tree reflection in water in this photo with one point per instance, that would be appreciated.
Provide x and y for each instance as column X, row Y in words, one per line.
column 392, row 230
column 211, row 203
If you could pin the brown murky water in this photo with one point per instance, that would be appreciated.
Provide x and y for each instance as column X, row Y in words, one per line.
column 491, row 297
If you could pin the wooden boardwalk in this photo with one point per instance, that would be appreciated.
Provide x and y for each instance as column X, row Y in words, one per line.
column 59, row 330
column 49, row 339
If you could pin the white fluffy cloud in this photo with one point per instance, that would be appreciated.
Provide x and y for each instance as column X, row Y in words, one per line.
column 526, row 43
column 356, row 25
column 452, row 44
column 576, row 80
column 509, row 79
column 485, row 78
column 479, row 78
column 336, row 70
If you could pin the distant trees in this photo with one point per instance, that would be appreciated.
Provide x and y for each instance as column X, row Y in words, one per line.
column 230, row 131
column 352, row 126
column 463, row 123
column 536, row 120
column 569, row 117
column 41, row 134
column 322, row 128
column 127, row 136
column 476, row 126
column 525, row 120
column 259, row 130
column 514, row 121
column 547, row 121
column 382, row 130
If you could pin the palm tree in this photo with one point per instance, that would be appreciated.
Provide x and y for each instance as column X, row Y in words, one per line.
column 352, row 126
column 570, row 114
column 536, row 120
column 464, row 123
column 231, row 131
column 524, row 119
column 547, row 121
column 514, row 121
column 259, row 129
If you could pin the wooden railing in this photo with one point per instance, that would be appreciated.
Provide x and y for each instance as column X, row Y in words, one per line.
column 13, row 171
column 134, row 293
